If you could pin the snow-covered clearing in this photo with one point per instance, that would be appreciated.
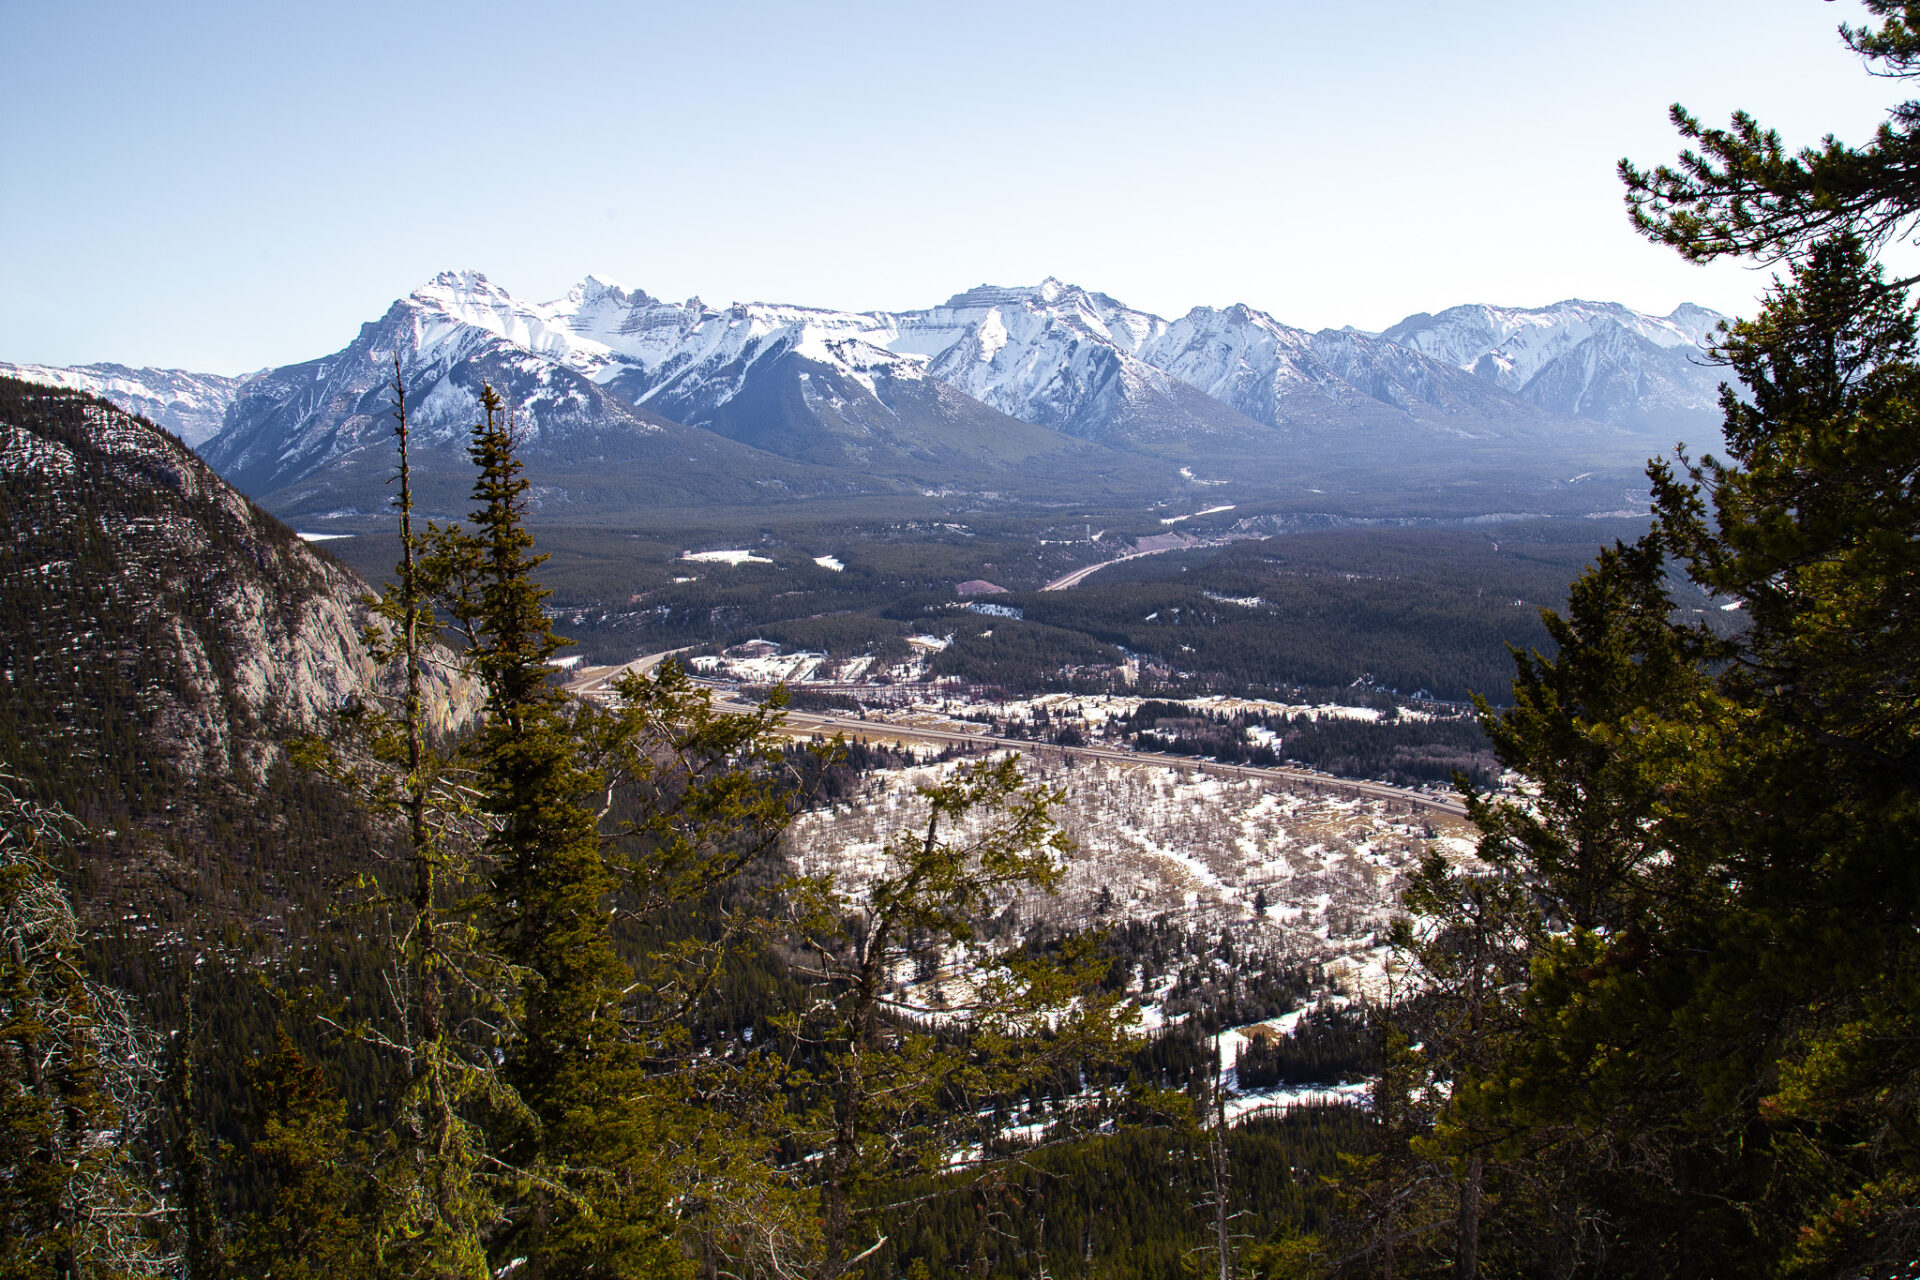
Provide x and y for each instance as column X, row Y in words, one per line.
column 738, row 556
column 778, row 668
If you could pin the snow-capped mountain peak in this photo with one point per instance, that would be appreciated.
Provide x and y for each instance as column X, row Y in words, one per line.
column 1595, row 359
column 191, row 405
column 1696, row 321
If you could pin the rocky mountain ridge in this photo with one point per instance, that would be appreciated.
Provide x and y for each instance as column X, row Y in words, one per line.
column 191, row 405
column 149, row 603
column 1596, row 360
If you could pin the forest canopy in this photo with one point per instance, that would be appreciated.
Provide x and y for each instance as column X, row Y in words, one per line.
column 1668, row 1017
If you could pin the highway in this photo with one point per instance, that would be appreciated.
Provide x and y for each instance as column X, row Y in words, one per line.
column 595, row 683
column 806, row 724
column 1067, row 582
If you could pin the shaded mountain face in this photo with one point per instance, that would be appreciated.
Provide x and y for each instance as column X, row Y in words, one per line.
column 191, row 405
column 1596, row 360
column 624, row 402
column 316, row 439
column 152, row 620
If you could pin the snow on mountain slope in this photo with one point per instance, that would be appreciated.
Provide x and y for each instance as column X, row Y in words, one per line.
column 1083, row 363
column 1283, row 376
column 812, row 385
column 625, row 401
column 612, row 335
column 1063, row 357
column 1217, row 379
column 1597, row 360
column 316, row 438
column 191, row 405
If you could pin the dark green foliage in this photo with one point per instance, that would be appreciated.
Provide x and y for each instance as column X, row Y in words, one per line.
column 592, row 1201
column 1690, row 1054
column 1407, row 751
column 1017, row 655
column 436, row 1202
column 79, row 1191
column 1326, row 1046
column 202, row 1233
column 1121, row 1206
column 321, row 1192
column 1395, row 609
column 1743, row 192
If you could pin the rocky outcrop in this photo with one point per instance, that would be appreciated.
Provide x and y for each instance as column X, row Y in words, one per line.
column 141, row 591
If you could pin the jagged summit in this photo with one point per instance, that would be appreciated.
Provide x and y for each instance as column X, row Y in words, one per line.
column 191, row 405
column 1597, row 360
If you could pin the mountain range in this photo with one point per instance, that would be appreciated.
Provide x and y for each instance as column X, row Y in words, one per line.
column 191, row 405
column 626, row 400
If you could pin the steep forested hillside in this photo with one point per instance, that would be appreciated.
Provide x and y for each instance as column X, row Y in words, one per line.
column 160, row 640
column 156, row 624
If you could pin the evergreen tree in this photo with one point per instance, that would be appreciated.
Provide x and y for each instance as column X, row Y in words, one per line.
column 552, row 1109
column 888, row 1093
column 1815, row 527
column 436, row 1204
column 204, row 1244
column 1707, row 1069
column 1744, row 193
column 78, row 1197
column 324, row 1194
column 592, row 1198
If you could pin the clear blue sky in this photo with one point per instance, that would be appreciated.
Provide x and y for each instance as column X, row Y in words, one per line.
column 226, row 186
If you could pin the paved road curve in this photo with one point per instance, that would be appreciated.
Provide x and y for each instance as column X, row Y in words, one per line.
column 1069, row 581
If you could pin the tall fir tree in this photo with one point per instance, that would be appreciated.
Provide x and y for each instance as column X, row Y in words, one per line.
column 592, row 1199
column 324, row 1194
column 1709, row 1073
column 438, row 1201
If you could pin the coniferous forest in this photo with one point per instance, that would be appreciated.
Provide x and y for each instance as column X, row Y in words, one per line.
column 471, row 978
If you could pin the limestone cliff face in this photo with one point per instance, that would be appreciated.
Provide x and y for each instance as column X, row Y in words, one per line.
column 139, row 590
